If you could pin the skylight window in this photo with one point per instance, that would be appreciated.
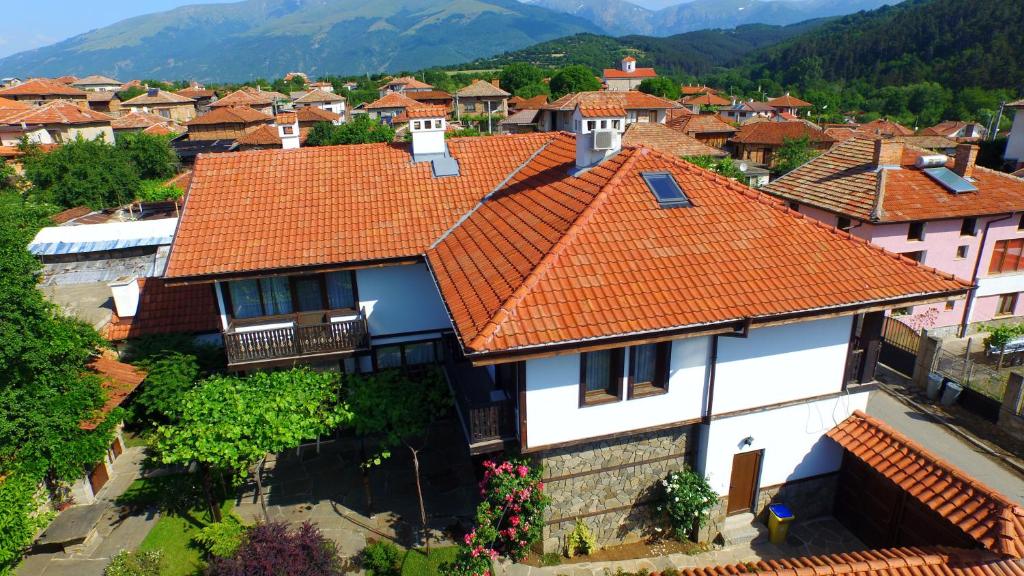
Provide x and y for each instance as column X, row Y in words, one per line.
column 950, row 180
column 665, row 189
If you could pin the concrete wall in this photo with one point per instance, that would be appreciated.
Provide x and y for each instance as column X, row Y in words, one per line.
column 400, row 299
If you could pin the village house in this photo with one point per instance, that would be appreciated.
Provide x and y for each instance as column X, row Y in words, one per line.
column 201, row 96
column 433, row 98
column 520, row 122
column 627, row 76
column 693, row 90
column 390, row 106
column 516, row 103
column 404, row 85
column 41, row 90
column 173, row 107
column 949, row 214
column 734, row 322
column 217, row 131
column 53, row 123
column 698, row 102
column 264, row 101
column 742, row 112
column 328, row 101
column 788, row 105
column 324, row 86
column 284, row 133
column 956, row 130
column 9, row 81
column 97, row 83
column 311, row 116
column 639, row 107
column 481, row 97
column 1014, row 154
column 667, row 141
column 104, row 101
column 707, row 128
column 886, row 127
column 759, row 141
column 144, row 122
column 939, row 144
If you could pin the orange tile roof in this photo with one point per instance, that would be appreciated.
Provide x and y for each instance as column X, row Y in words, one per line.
column 161, row 130
column 409, row 82
column 165, row 309
column 787, row 101
column 528, row 103
column 597, row 111
column 481, row 88
column 947, row 128
column 263, row 210
column 43, row 87
column 844, row 180
column 629, row 59
column 700, row 124
column 286, row 118
column 691, row 90
column 550, row 258
column 392, row 100
column 638, row 73
column 929, row 561
column 991, row 519
column 422, row 111
column 313, row 114
column 776, row 133
column 244, row 97
column 95, row 80
column 137, row 120
column 666, row 140
column 886, row 127
column 705, row 100
column 196, row 93
column 267, row 135
column 119, row 381
column 428, row 95
column 7, row 104
column 160, row 97
column 56, row 112
column 10, row 152
column 319, row 96
column 630, row 100
column 70, row 214
column 230, row 115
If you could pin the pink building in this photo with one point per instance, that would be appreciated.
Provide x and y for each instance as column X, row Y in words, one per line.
column 946, row 213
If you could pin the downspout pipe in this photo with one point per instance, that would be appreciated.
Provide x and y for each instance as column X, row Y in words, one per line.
column 974, row 275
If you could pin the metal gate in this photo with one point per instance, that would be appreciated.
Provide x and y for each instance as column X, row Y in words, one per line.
column 899, row 346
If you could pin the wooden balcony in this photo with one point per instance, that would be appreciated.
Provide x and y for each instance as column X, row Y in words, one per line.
column 488, row 415
column 251, row 346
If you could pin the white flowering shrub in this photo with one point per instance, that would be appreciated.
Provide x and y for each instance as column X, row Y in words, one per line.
column 686, row 497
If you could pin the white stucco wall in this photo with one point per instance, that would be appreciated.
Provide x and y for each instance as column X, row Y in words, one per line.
column 793, row 440
column 554, row 415
column 1015, row 140
column 780, row 364
column 400, row 299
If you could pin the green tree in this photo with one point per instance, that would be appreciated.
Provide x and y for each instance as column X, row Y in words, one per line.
column 520, row 74
column 573, row 79
column 83, row 172
column 724, row 166
column 533, row 90
column 151, row 155
column 360, row 130
column 398, row 410
column 660, row 86
column 793, row 153
column 227, row 423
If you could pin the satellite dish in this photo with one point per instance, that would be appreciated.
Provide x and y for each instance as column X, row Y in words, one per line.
column 743, row 166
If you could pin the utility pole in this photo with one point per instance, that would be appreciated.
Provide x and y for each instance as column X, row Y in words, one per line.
column 999, row 118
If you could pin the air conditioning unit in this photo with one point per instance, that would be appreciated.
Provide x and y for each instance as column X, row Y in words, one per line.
column 604, row 139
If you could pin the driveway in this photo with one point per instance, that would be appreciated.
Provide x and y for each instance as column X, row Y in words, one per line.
column 923, row 429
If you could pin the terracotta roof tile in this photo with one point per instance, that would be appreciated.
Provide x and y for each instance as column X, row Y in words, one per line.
column 7, row 104
column 552, row 258
column 309, row 114
column 119, row 381
column 196, row 93
column 43, row 87
column 775, row 133
column 666, row 140
column 946, row 128
column 534, row 103
column 319, row 96
column 705, row 100
column 263, row 210
column 137, row 120
column 637, row 73
column 409, row 82
column 691, row 90
column 230, row 115
column 251, row 97
column 94, row 80
column 787, row 101
column 844, row 180
column 926, row 141
column 599, row 111
column 886, row 127
column 100, row 96
column 267, row 135
column 159, row 97
column 481, row 88
column 631, row 100
column 700, row 124
column 56, row 112
column 428, row 95
column 993, row 520
column 422, row 111
column 286, row 118
column 70, row 214
column 165, row 309
column 392, row 100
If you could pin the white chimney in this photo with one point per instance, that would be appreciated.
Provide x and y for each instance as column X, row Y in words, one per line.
column 126, row 296
column 598, row 134
column 288, row 130
column 629, row 64
column 427, row 125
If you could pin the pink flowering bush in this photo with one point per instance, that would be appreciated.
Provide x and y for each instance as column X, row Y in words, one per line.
column 509, row 519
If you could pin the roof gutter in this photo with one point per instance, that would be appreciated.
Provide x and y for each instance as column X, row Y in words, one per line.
column 965, row 320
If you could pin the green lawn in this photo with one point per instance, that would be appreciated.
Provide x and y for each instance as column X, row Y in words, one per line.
column 181, row 517
column 417, row 563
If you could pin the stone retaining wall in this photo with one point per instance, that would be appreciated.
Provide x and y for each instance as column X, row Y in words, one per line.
column 610, row 484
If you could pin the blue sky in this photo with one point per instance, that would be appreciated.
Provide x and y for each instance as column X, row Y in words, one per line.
column 35, row 23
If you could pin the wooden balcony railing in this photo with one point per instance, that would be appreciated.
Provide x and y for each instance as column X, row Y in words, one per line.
column 487, row 422
column 296, row 341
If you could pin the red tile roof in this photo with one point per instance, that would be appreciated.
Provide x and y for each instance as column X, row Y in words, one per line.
column 165, row 309
column 196, row 93
column 629, row 59
column 231, row 115
column 630, row 100
column 392, row 100
column 160, row 97
column 991, row 519
column 119, row 381
column 886, row 127
column 286, row 118
column 7, row 104
column 534, row 103
column 137, row 120
column 263, row 210
column 182, row 180
column 691, row 90
column 597, row 111
column 267, row 135
column 637, row 73
column 705, row 100
column 56, row 112
column 550, row 258
column 428, row 95
column 481, row 88
column 947, row 128
column 930, row 561
column 776, row 133
column 314, row 114
column 844, row 180
column 666, row 140
column 319, row 96
column 43, row 87
column 701, row 124
column 787, row 101
column 422, row 111
column 70, row 214
column 251, row 97
column 408, row 82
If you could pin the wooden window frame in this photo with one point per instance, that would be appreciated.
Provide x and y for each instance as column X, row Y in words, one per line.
column 662, row 371
column 600, row 397
column 997, row 265
column 229, row 308
column 1014, row 300
column 403, row 361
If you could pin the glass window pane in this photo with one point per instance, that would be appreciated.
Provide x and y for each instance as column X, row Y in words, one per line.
column 599, row 371
column 245, row 299
column 389, row 357
column 307, row 291
column 339, row 290
column 419, row 353
column 998, row 251
column 1013, row 254
column 277, row 296
column 644, row 360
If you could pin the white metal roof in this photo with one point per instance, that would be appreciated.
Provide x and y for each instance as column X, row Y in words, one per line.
column 106, row 236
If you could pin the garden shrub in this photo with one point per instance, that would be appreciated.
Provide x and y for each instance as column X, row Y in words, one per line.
column 686, row 498
column 20, row 497
column 222, row 539
column 126, row 563
column 271, row 550
column 382, row 558
column 580, row 541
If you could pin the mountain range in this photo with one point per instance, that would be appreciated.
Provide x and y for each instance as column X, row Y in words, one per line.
column 267, row 38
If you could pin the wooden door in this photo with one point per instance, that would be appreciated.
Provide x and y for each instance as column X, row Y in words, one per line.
column 98, row 477
column 746, row 467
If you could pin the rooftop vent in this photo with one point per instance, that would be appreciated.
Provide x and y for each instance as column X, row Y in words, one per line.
column 950, row 180
column 665, row 188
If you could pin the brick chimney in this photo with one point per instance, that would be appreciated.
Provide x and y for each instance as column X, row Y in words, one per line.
column 966, row 156
column 496, row 83
column 888, row 153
